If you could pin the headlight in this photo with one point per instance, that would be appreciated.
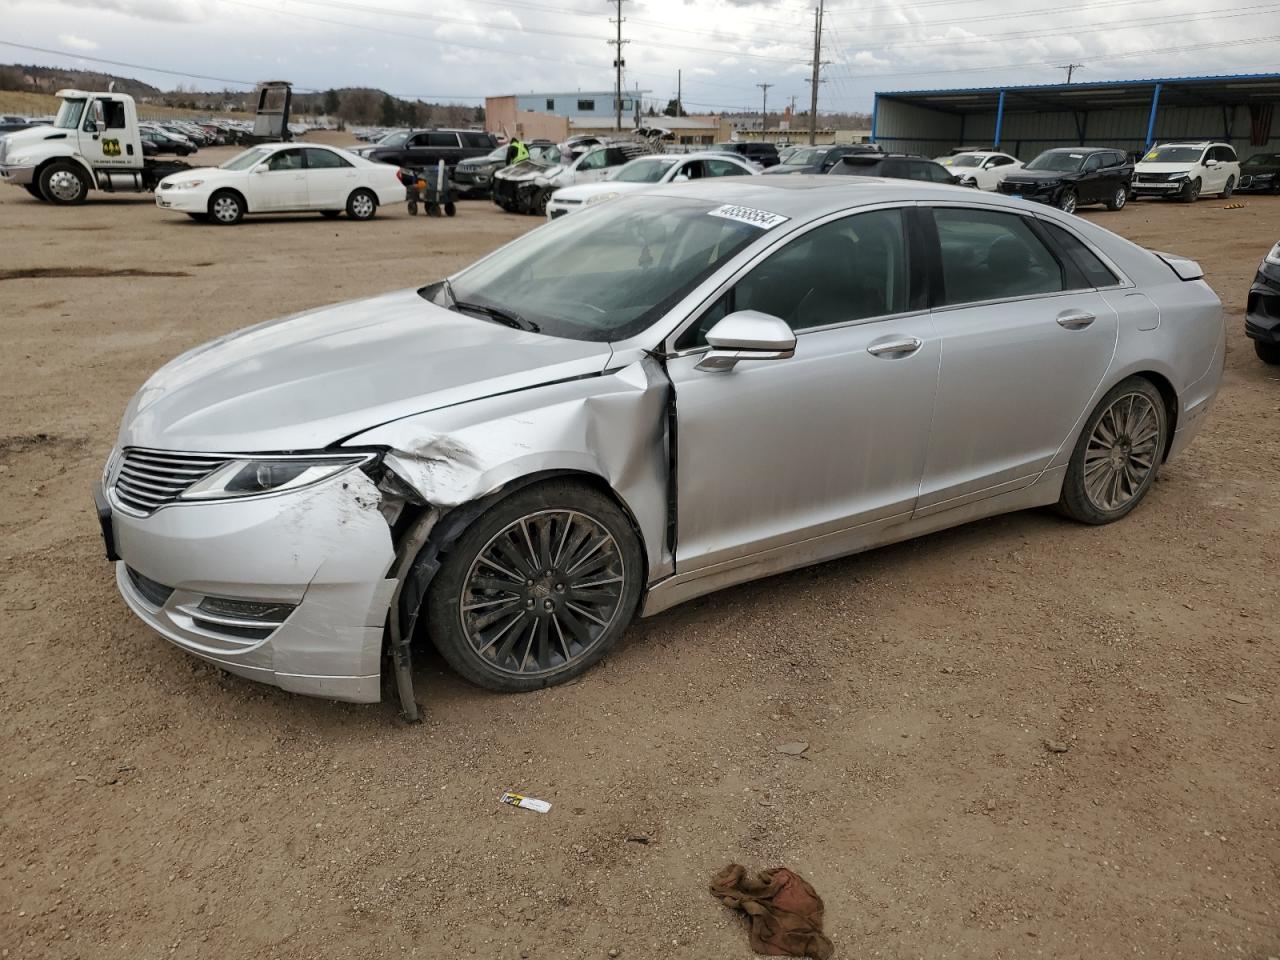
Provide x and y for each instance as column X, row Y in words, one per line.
column 184, row 184
column 261, row 475
column 601, row 198
column 1180, row 175
column 1273, row 257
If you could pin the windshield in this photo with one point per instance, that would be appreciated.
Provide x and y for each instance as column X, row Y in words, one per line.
column 243, row 161
column 1173, row 155
column 1264, row 160
column 69, row 114
column 1060, row 161
column 605, row 273
column 546, row 154
column 805, row 158
column 499, row 154
column 644, row 171
column 964, row 160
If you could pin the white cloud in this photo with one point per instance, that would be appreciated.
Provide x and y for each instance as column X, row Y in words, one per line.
column 76, row 43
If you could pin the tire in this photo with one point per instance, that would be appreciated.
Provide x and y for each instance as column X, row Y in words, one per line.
column 1267, row 352
column 64, row 183
column 1067, row 201
column 1229, row 189
column 1118, row 199
column 329, row 214
column 1109, row 472
column 530, row 633
column 34, row 190
column 450, row 210
column 540, row 202
column 1191, row 192
column 362, row 205
column 201, row 217
column 226, row 208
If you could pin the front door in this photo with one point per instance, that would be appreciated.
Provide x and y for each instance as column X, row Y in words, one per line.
column 1025, row 343
column 592, row 166
column 279, row 182
column 772, row 452
column 104, row 140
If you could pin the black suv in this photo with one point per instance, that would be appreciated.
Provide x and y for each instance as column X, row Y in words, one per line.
column 897, row 166
column 426, row 148
column 820, row 159
column 765, row 154
column 1068, row 177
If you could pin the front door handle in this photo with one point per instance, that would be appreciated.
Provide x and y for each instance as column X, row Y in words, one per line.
column 1075, row 319
column 896, row 348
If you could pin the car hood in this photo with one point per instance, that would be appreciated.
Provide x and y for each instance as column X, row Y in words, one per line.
column 32, row 135
column 529, row 170
column 585, row 191
column 201, row 173
column 1153, row 167
column 307, row 381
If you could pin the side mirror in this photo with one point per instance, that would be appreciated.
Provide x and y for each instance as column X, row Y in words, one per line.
column 1211, row 163
column 260, row 168
column 680, row 178
column 747, row 335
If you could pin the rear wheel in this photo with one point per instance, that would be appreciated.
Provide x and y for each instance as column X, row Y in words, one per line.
column 1229, row 189
column 1190, row 191
column 362, row 205
column 226, row 208
column 1118, row 199
column 1067, row 202
column 1118, row 454
column 1267, row 352
column 64, row 182
column 538, row 589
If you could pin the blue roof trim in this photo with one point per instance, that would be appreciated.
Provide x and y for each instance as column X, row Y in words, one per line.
column 1090, row 85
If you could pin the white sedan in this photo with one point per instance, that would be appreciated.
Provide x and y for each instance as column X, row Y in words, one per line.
column 282, row 178
column 981, row 169
column 645, row 172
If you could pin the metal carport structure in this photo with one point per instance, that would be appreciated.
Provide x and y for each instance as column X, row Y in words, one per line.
column 1129, row 114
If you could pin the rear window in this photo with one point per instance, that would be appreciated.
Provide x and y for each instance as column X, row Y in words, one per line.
column 1096, row 273
column 477, row 141
column 442, row 140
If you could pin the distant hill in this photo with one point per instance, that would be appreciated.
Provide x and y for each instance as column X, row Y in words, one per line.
column 35, row 79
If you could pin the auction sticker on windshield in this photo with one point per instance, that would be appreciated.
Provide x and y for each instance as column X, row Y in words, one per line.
column 749, row 215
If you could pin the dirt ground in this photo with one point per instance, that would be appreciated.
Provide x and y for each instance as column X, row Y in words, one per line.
column 154, row 807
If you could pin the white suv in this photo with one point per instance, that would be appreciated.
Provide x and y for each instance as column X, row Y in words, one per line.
column 1186, row 170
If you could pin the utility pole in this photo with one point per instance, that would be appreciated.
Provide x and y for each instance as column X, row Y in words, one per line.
column 817, row 70
column 1071, row 68
column 618, row 64
column 764, row 107
column 679, row 88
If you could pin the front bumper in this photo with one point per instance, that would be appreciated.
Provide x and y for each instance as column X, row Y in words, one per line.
column 1157, row 188
column 185, row 201
column 1259, row 183
column 1036, row 192
column 471, row 181
column 19, row 176
column 558, row 208
column 324, row 550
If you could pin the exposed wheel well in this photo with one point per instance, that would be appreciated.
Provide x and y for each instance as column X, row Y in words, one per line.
column 1170, row 397
column 244, row 203
column 39, row 171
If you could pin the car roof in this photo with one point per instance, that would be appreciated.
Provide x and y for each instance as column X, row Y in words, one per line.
column 1084, row 150
column 804, row 196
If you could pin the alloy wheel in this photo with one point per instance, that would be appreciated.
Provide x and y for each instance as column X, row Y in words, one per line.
column 542, row 592
column 1121, row 198
column 1122, row 452
column 64, row 185
column 1068, row 204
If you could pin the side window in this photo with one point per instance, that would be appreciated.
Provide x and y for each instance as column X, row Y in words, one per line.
column 593, row 161
column 586, row 104
column 285, row 160
column 324, row 159
column 850, row 269
column 1096, row 273
column 935, row 172
column 442, row 139
column 987, row 255
column 477, row 141
column 419, row 141
column 1094, row 162
column 113, row 113
column 892, row 168
column 722, row 168
column 615, row 156
column 1228, row 154
column 551, row 105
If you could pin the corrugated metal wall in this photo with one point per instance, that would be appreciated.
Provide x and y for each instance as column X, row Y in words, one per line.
column 910, row 128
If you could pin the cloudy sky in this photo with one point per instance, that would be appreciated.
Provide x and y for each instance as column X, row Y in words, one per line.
column 469, row 48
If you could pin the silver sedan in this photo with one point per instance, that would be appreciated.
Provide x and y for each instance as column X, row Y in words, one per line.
column 693, row 388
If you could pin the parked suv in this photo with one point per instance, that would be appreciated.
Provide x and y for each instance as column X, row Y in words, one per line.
column 426, row 148
column 819, row 159
column 1068, row 177
column 896, row 166
column 765, row 154
column 1260, row 174
column 1185, row 170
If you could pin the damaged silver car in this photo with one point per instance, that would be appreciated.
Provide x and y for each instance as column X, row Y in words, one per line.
column 698, row 386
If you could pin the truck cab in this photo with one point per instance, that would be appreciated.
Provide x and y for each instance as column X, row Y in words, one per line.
column 93, row 143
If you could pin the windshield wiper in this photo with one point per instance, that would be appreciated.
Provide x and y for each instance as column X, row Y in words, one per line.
column 504, row 317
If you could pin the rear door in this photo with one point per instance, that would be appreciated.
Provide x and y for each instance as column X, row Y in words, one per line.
column 1026, row 341
column 330, row 178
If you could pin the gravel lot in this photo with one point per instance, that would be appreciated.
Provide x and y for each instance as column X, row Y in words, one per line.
column 154, row 807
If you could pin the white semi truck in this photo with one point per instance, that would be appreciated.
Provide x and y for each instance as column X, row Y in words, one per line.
column 93, row 144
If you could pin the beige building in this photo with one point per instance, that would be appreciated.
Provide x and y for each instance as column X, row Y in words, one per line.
column 501, row 116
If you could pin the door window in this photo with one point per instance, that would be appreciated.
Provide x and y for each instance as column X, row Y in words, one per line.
column 324, row 160
column 932, row 172
column 988, row 255
column 721, row 168
column 477, row 141
column 285, row 160
column 1093, row 163
column 593, row 161
column 1096, row 273
column 419, row 141
column 850, row 269
column 442, row 139
column 113, row 114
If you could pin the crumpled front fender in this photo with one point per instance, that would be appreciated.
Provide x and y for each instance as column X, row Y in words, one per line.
column 611, row 426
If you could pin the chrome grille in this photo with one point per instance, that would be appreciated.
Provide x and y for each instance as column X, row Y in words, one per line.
column 148, row 479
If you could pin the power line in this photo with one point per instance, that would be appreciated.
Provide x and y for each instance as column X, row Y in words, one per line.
column 1071, row 68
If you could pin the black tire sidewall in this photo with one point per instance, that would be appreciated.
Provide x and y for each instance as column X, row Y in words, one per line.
column 53, row 168
column 1074, row 501
column 1062, row 199
column 239, row 207
column 441, row 614
column 351, row 202
column 1229, row 189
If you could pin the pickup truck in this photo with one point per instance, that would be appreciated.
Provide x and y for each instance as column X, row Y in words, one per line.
column 94, row 143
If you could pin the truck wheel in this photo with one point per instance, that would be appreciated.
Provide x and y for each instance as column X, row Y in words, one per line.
column 34, row 190
column 63, row 182
column 362, row 205
column 226, row 208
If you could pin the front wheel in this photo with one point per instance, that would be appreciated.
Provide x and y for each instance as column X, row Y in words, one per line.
column 1190, row 191
column 1067, row 202
column 1267, row 352
column 226, row 208
column 362, row 205
column 1118, row 199
column 1118, row 454
column 538, row 589
column 1229, row 189
column 64, row 182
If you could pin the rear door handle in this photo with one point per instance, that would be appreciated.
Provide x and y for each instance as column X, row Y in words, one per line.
column 895, row 348
column 1075, row 319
